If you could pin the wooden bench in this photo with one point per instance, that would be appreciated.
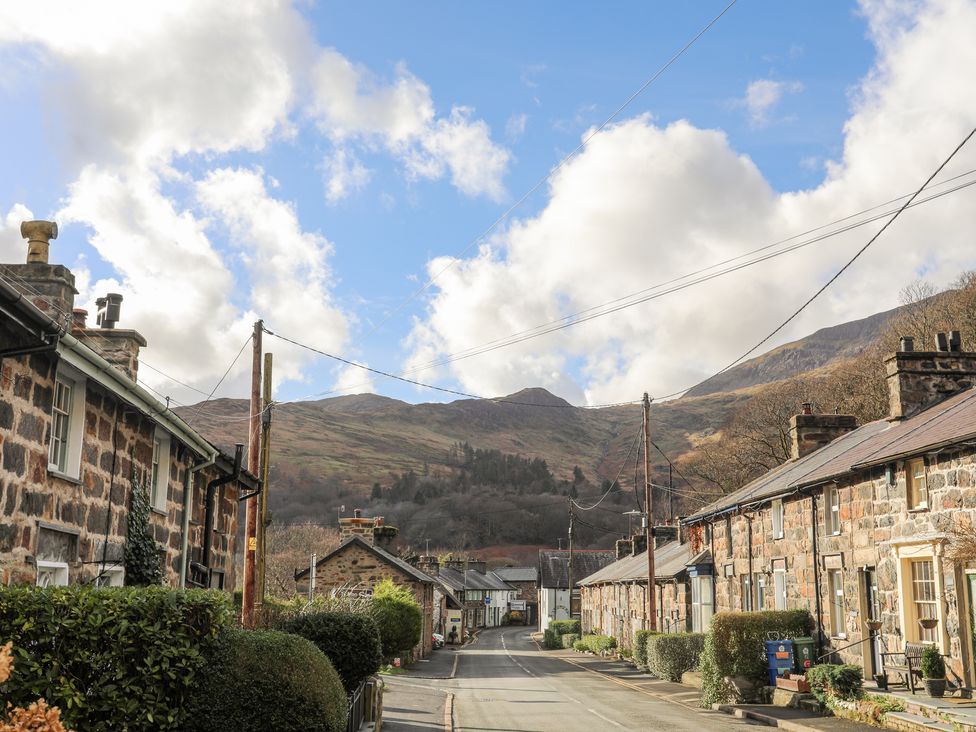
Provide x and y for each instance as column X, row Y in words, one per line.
column 910, row 664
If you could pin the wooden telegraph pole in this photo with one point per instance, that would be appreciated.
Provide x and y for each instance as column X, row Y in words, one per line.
column 254, row 467
column 649, row 517
column 571, row 559
column 265, row 470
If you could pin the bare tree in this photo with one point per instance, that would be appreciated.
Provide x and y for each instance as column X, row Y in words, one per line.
column 290, row 547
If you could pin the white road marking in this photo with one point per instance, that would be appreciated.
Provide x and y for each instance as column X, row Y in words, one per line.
column 605, row 719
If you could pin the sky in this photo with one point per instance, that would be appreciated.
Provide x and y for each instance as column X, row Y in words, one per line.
column 402, row 183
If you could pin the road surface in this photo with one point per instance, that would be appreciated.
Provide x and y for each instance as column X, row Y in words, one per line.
column 503, row 683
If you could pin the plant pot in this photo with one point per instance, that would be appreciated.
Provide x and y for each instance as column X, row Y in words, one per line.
column 935, row 687
column 873, row 625
column 928, row 623
column 882, row 681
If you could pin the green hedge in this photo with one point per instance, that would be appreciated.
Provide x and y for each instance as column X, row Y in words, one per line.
column 580, row 646
column 640, row 646
column 263, row 680
column 597, row 643
column 839, row 681
column 350, row 640
column 734, row 647
column 671, row 654
column 568, row 639
column 561, row 627
column 110, row 658
column 398, row 616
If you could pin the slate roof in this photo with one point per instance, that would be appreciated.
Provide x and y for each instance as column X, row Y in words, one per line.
column 518, row 574
column 554, row 565
column 472, row 580
column 951, row 421
column 391, row 559
column 669, row 561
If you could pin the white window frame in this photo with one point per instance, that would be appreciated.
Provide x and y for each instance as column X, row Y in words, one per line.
column 160, row 471
column 759, row 591
column 72, row 423
column 746, row 592
column 832, row 509
column 779, row 589
column 778, row 514
column 58, row 571
column 924, row 594
column 835, row 582
column 702, row 603
column 112, row 576
column 916, row 485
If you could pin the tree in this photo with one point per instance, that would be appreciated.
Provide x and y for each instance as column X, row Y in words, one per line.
column 290, row 547
column 399, row 617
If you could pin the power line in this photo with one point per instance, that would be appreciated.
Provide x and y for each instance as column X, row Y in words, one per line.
column 614, row 483
column 552, row 171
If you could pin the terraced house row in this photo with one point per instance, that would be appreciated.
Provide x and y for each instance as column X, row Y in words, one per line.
column 77, row 433
column 865, row 526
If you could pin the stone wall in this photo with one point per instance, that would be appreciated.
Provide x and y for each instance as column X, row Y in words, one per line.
column 619, row 608
column 89, row 515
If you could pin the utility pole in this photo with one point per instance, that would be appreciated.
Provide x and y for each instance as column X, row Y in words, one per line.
column 265, row 472
column 571, row 559
column 649, row 517
column 311, row 577
column 670, row 494
column 254, row 467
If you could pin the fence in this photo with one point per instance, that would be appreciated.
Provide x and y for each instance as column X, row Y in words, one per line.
column 357, row 708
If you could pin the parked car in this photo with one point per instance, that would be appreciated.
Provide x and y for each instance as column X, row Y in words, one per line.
column 438, row 640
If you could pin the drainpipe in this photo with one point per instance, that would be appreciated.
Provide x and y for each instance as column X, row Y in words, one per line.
column 752, row 577
column 187, row 510
column 816, row 573
column 208, row 523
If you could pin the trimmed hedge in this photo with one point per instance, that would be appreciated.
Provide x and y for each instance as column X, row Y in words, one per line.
column 263, row 680
column 734, row 647
column 398, row 617
column 569, row 639
column 640, row 646
column 597, row 643
column 561, row 627
column 349, row 640
column 839, row 681
column 671, row 654
column 579, row 646
column 110, row 658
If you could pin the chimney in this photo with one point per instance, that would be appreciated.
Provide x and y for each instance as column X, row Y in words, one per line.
column 664, row 535
column 119, row 346
column 639, row 542
column 49, row 287
column 79, row 320
column 357, row 526
column 919, row 379
column 624, row 548
column 478, row 566
column 429, row 565
column 809, row 431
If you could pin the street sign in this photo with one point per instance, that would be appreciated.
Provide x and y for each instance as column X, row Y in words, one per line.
column 487, row 600
column 516, row 605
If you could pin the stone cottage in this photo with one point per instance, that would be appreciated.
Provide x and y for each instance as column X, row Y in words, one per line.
column 554, row 590
column 860, row 527
column 484, row 596
column 361, row 562
column 77, row 432
column 525, row 580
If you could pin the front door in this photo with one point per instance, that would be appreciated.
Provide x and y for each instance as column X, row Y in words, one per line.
column 971, row 584
column 873, row 613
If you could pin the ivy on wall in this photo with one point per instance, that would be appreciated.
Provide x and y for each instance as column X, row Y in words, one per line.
column 142, row 562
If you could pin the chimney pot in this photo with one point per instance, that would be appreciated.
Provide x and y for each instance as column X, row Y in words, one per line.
column 955, row 341
column 907, row 344
column 357, row 513
column 941, row 342
column 109, row 310
column 38, row 235
column 806, row 408
column 79, row 319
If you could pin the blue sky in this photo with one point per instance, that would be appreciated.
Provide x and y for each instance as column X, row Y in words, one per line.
column 105, row 138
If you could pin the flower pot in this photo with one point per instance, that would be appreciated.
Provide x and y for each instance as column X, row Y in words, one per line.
column 935, row 687
column 928, row 623
column 873, row 625
column 882, row 681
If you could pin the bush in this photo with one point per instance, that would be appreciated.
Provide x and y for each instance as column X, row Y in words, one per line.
column 550, row 640
column 933, row 667
column 580, row 646
column 734, row 647
column 110, row 658
column 568, row 640
column 598, row 643
column 829, row 681
column 349, row 640
column 263, row 680
column 561, row 627
column 640, row 646
column 671, row 654
column 398, row 616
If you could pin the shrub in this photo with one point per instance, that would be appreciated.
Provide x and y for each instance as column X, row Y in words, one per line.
column 398, row 616
column 598, row 643
column 671, row 654
column 933, row 667
column 550, row 640
column 263, row 680
column 580, row 646
column 734, row 647
column 37, row 717
column 350, row 641
column 110, row 658
column 561, row 627
column 829, row 681
column 640, row 646
column 568, row 640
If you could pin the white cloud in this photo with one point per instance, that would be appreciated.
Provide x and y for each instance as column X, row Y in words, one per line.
column 515, row 127
column 343, row 175
column 12, row 245
column 353, row 380
column 643, row 204
column 763, row 96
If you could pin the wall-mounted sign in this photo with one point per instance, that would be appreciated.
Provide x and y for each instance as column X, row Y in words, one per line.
column 516, row 604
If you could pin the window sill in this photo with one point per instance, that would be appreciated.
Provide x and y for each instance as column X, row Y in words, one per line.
column 918, row 509
column 159, row 511
column 63, row 476
column 842, row 636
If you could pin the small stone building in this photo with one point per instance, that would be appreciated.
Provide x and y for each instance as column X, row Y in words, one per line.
column 77, row 433
column 359, row 564
column 525, row 580
column 554, row 579
column 861, row 526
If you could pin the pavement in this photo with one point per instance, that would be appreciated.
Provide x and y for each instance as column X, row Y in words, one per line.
column 504, row 683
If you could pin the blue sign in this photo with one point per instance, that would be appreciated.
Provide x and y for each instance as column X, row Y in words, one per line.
column 487, row 600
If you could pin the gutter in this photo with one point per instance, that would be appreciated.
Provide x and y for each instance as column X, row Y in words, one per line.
column 187, row 507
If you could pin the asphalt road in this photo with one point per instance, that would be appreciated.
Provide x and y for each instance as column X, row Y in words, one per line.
column 503, row 683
